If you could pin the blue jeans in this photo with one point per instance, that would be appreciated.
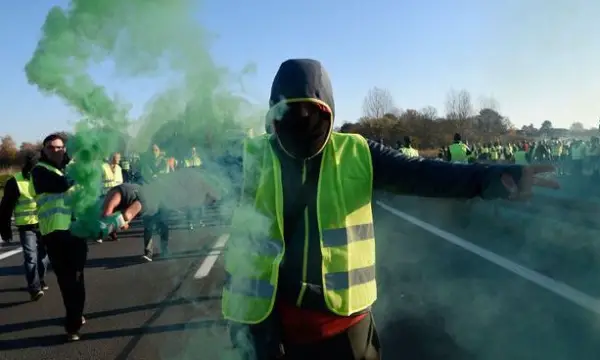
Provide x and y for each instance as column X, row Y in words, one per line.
column 35, row 258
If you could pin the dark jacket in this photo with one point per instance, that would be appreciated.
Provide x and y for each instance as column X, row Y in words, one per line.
column 393, row 172
column 10, row 199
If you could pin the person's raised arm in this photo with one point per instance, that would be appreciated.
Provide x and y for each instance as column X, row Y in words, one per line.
column 396, row 173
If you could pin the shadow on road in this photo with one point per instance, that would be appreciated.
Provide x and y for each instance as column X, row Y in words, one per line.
column 45, row 341
column 12, row 304
column 94, row 315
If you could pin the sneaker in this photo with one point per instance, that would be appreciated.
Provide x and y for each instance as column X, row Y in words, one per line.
column 44, row 286
column 72, row 337
column 99, row 241
column 36, row 295
column 83, row 321
column 147, row 257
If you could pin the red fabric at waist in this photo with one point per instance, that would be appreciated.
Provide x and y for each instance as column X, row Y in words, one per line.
column 305, row 326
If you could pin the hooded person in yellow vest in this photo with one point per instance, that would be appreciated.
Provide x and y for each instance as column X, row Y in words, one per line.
column 407, row 150
column 19, row 199
column 300, row 262
column 193, row 161
column 67, row 253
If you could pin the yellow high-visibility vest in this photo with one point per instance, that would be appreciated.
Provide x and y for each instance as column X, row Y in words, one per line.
column 345, row 221
column 26, row 208
column 193, row 162
column 54, row 213
column 111, row 178
column 409, row 152
column 458, row 152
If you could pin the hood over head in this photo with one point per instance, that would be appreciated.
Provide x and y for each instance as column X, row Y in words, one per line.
column 301, row 107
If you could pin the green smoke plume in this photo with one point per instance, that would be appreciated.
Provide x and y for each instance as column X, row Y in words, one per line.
column 144, row 38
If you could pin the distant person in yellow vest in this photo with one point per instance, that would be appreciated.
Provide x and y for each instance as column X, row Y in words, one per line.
column 19, row 199
column 300, row 262
column 112, row 175
column 193, row 161
column 407, row 150
column 458, row 152
column 67, row 253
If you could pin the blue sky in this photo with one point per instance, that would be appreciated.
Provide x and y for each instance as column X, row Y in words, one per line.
column 539, row 59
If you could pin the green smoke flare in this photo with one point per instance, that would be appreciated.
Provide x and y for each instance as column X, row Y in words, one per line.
column 143, row 38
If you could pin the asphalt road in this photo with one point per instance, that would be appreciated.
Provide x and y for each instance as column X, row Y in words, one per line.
column 436, row 300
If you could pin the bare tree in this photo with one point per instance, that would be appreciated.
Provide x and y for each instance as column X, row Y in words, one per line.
column 429, row 113
column 459, row 105
column 377, row 103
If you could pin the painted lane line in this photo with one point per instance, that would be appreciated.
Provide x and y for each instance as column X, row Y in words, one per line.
column 211, row 259
column 10, row 253
column 565, row 291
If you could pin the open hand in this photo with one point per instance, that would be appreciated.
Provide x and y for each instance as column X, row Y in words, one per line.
column 524, row 189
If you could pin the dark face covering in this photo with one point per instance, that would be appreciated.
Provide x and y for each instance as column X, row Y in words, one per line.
column 303, row 130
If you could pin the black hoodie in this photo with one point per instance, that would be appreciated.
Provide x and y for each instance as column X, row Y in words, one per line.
column 393, row 172
column 11, row 197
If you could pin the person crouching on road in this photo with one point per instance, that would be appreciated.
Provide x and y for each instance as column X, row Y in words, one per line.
column 19, row 198
column 112, row 175
column 302, row 286
column 67, row 253
column 126, row 201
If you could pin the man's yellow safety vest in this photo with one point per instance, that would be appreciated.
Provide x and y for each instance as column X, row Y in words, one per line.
column 458, row 152
column 345, row 220
column 193, row 162
column 111, row 178
column 53, row 211
column 409, row 152
column 26, row 208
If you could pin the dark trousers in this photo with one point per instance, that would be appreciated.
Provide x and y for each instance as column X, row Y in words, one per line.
column 68, row 255
column 360, row 342
column 35, row 259
column 157, row 221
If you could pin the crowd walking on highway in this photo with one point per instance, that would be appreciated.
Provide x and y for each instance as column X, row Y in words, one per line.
column 305, row 287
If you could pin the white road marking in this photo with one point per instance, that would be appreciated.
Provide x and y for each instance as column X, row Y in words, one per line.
column 558, row 288
column 211, row 259
column 10, row 253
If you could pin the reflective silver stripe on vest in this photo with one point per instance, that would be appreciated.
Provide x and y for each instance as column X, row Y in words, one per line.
column 25, row 213
column 45, row 198
column 347, row 235
column 344, row 237
column 55, row 211
column 345, row 280
column 25, row 202
column 249, row 287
